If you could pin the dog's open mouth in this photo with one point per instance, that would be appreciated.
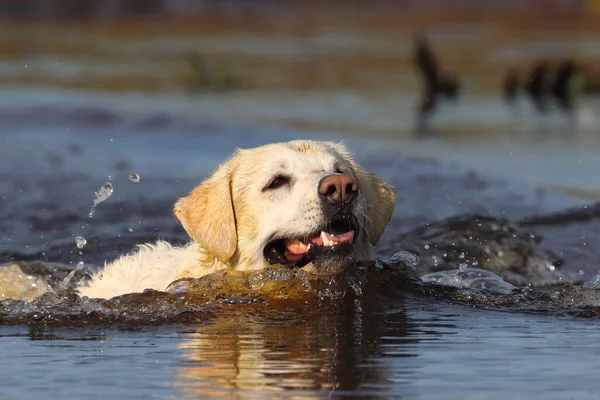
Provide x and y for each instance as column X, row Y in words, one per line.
column 337, row 236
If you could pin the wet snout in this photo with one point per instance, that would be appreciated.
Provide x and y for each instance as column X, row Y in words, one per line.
column 338, row 188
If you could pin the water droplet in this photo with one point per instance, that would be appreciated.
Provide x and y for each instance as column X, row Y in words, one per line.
column 130, row 229
column 133, row 177
column 461, row 255
column 67, row 280
column 101, row 195
column 426, row 247
column 581, row 272
column 355, row 286
column 81, row 242
column 100, row 276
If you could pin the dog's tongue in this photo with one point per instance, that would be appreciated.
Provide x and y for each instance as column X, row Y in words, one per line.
column 296, row 248
column 330, row 239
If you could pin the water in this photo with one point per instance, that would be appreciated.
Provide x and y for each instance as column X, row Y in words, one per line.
column 101, row 195
column 133, row 177
column 81, row 242
column 471, row 278
column 417, row 348
column 523, row 329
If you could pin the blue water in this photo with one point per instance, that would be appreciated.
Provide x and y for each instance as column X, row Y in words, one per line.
column 407, row 345
column 438, row 351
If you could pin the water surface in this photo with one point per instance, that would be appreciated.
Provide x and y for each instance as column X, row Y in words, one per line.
column 391, row 340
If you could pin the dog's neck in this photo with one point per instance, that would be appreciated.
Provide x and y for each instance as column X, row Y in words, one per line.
column 201, row 263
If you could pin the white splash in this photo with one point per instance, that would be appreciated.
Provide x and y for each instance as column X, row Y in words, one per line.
column 81, row 242
column 101, row 195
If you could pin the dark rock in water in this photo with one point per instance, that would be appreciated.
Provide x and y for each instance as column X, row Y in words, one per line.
column 487, row 243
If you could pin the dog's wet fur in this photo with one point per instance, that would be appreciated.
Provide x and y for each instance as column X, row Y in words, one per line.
column 301, row 204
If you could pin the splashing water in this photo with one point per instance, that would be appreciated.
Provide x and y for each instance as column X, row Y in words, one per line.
column 64, row 284
column 134, row 177
column 404, row 257
column 81, row 242
column 101, row 195
column 470, row 278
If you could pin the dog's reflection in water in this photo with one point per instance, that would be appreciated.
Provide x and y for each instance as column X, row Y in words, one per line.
column 310, row 353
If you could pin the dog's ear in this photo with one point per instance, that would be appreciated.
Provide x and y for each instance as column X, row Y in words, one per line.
column 208, row 216
column 380, row 202
column 379, row 196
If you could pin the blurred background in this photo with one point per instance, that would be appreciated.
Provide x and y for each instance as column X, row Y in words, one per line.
column 346, row 64
column 505, row 87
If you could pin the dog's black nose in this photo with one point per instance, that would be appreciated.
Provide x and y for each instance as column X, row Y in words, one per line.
column 338, row 188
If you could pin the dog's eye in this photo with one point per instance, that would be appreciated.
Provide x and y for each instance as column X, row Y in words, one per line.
column 277, row 182
column 338, row 170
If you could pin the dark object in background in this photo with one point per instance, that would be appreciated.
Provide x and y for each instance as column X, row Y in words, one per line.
column 427, row 66
column 566, row 88
column 510, row 87
column 537, row 86
column 435, row 82
column 449, row 87
column 591, row 83
column 563, row 86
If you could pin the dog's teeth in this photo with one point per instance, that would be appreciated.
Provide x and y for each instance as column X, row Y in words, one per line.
column 324, row 238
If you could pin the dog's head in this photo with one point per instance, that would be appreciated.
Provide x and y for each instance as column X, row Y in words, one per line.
column 300, row 204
